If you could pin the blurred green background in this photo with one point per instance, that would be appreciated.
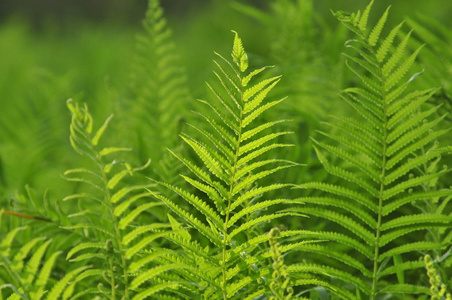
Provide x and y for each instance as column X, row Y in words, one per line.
column 52, row 50
column 130, row 12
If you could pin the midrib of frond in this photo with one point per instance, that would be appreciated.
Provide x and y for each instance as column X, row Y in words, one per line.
column 232, row 184
column 384, row 145
column 118, row 237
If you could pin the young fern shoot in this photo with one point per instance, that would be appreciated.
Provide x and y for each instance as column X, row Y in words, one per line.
column 280, row 278
column 227, row 212
column 438, row 289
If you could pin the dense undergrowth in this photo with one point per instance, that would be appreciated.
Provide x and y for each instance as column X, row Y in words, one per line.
column 299, row 173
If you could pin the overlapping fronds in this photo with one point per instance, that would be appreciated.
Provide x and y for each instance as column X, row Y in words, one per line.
column 159, row 87
column 229, row 209
column 28, row 272
column 30, row 134
column 436, row 58
column 305, row 51
column 380, row 160
column 113, row 241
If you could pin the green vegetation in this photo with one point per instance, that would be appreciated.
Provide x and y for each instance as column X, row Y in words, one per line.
column 298, row 173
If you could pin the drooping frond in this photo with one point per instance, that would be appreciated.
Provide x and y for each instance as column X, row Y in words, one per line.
column 113, row 238
column 381, row 160
column 228, row 210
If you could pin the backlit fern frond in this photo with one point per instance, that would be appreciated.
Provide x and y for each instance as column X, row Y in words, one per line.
column 28, row 272
column 159, row 88
column 380, row 177
column 226, row 241
column 114, row 241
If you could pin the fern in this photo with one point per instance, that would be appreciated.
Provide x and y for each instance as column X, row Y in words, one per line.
column 209, row 224
column 280, row 278
column 111, row 236
column 435, row 58
column 28, row 272
column 160, row 91
column 302, row 47
column 381, row 153
column 225, row 212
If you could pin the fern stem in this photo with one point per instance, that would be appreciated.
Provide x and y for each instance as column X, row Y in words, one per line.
column 378, row 229
column 112, row 279
column 11, row 213
column 223, row 262
column 231, row 189
column 118, row 236
column 373, row 294
column 382, row 186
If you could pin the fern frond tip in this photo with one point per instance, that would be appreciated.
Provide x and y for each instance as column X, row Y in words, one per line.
column 239, row 55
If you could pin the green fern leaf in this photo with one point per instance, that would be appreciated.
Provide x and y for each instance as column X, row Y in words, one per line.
column 59, row 287
column 155, row 289
column 376, row 31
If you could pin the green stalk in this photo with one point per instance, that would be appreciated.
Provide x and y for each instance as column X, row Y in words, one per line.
column 118, row 235
column 382, row 185
column 231, row 189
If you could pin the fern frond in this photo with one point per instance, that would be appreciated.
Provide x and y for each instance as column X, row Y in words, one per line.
column 226, row 209
column 349, row 207
column 116, row 238
column 405, row 288
column 341, row 191
column 436, row 56
column 328, row 271
column 407, row 265
column 160, row 92
column 32, row 272
column 59, row 287
column 382, row 161
column 416, row 246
